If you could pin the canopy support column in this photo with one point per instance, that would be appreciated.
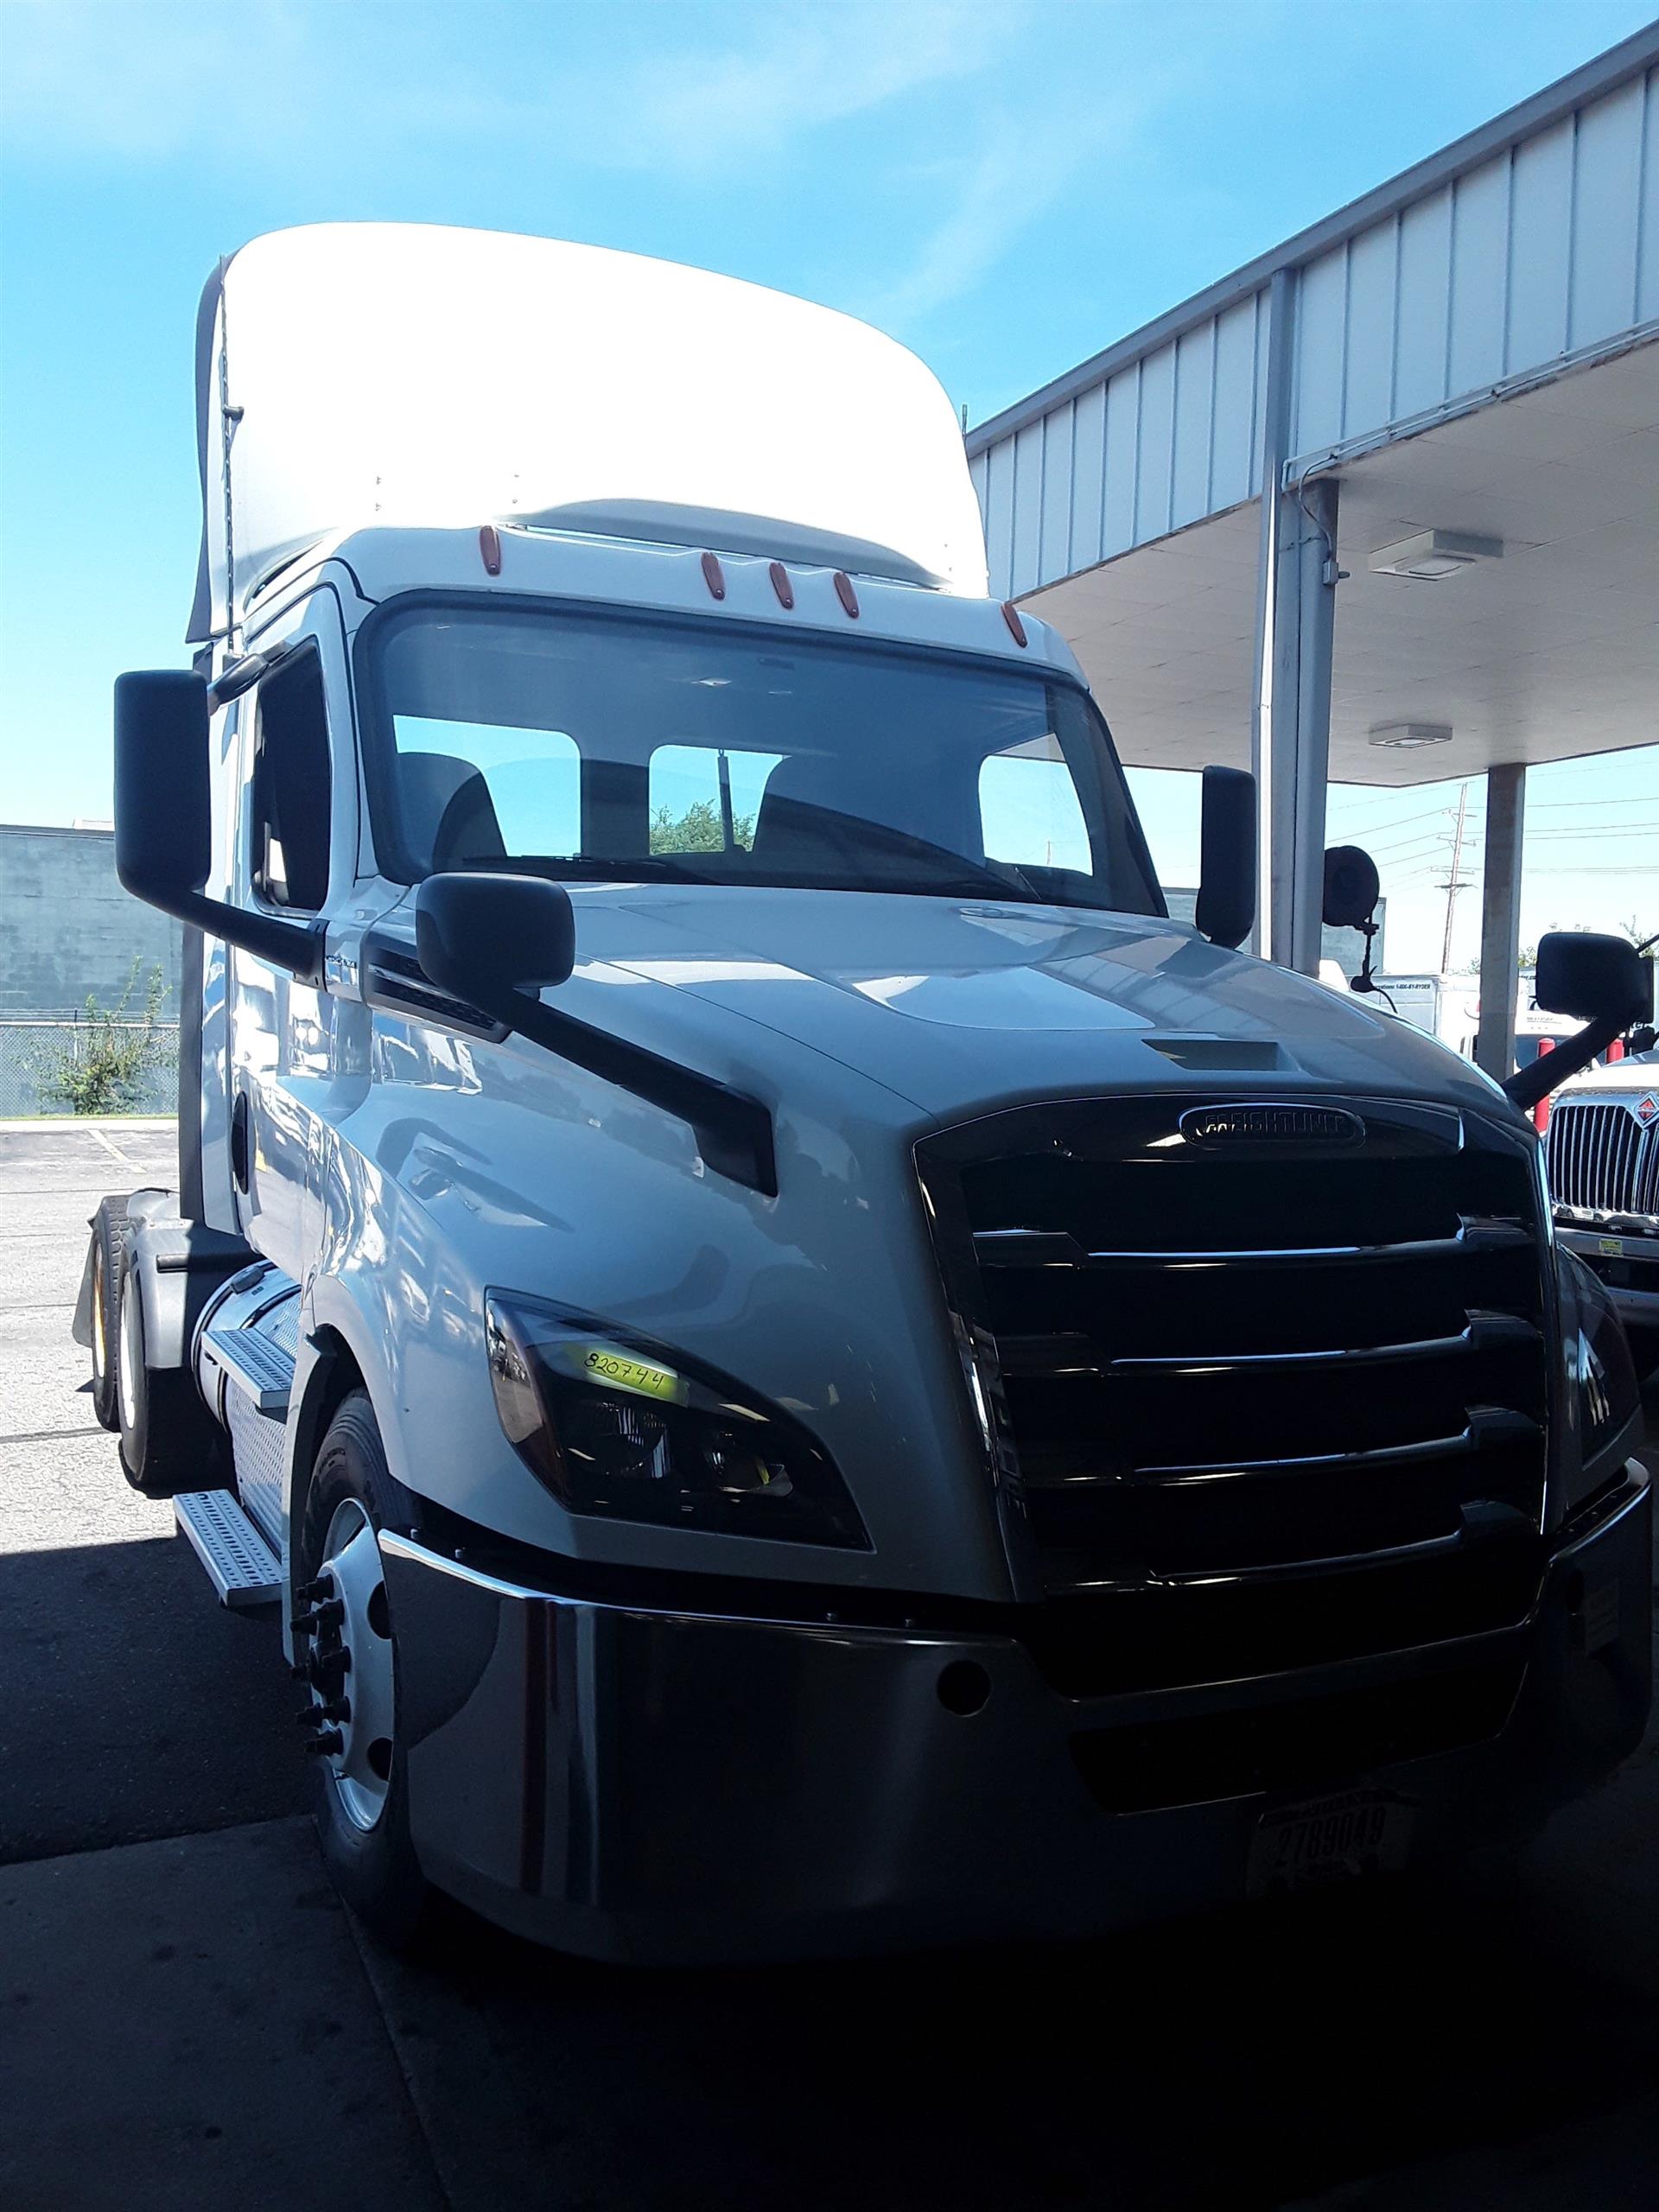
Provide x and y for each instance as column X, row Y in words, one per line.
column 1304, row 607
column 1500, row 918
column 1295, row 621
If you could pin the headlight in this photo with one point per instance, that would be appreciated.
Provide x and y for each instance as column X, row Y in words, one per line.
column 615, row 1425
column 1603, row 1374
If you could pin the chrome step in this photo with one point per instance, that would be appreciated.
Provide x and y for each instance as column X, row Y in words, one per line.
column 241, row 1563
column 251, row 1364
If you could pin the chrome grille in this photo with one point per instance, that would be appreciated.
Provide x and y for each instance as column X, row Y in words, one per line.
column 1601, row 1159
column 1260, row 1363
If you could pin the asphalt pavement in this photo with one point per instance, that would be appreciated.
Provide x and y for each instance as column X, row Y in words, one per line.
column 186, row 2017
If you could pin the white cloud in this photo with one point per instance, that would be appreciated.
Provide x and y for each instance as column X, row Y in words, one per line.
column 741, row 95
column 807, row 70
column 273, row 80
column 1017, row 164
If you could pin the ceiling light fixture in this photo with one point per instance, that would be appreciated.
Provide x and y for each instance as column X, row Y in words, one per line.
column 1434, row 555
column 1407, row 737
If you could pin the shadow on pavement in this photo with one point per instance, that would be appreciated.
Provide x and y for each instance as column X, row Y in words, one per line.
column 1246, row 2060
column 133, row 1704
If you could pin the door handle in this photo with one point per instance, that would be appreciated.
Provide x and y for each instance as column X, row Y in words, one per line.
column 239, row 1142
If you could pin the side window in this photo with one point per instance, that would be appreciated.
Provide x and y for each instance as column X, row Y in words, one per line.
column 704, row 799
column 474, row 792
column 292, row 786
column 1029, row 810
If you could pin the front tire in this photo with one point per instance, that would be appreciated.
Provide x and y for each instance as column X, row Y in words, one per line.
column 347, row 1659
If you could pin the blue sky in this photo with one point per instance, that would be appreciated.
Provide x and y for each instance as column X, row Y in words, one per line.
column 1006, row 189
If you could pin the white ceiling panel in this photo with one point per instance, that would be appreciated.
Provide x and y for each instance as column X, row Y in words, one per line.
column 1550, row 652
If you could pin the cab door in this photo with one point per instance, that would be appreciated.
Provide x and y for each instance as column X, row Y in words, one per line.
column 298, row 841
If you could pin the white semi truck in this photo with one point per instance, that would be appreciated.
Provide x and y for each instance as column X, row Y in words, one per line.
column 810, row 1371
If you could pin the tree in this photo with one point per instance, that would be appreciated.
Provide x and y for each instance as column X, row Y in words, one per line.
column 698, row 829
column 100, row 1068
column 1525, row 960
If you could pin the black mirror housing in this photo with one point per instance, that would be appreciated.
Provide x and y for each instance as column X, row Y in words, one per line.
column 1594, row 978
column 485, row 935
column 163, row 803
column 1603, row 982
column 1352, row 887
column 164, row 817
column 1226, row 907
column 497, row 941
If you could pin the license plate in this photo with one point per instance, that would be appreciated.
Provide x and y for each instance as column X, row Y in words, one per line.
column 1321, row 1839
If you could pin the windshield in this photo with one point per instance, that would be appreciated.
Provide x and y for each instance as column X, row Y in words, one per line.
column 578, row 744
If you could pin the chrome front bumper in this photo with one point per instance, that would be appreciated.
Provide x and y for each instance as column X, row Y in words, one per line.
column 671, row 1786
column 1627, row 1265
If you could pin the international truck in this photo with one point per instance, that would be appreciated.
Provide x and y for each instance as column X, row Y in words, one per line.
column 808, row 1371
column 1603, row 1160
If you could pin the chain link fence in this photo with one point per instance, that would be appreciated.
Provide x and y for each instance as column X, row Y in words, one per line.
column 89, row 1066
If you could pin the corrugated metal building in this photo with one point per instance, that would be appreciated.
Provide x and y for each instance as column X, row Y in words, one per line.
column 1465, row 351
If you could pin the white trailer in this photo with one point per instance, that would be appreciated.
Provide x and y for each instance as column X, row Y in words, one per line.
column 810, row 1371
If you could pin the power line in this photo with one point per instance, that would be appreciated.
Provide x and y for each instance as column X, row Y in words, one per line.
column 1552, row 806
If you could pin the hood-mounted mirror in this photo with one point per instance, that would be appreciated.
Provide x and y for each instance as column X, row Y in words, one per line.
column 1352, row 888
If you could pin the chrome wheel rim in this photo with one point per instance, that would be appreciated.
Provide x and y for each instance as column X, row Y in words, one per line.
column 356, row 1699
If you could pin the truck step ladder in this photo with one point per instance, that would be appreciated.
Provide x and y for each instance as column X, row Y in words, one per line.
column 251, row 1364
column 241, row 1563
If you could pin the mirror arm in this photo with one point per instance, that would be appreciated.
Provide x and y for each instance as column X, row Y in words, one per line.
column 734, row 1131
column 295, row 947
column 1550, row 1070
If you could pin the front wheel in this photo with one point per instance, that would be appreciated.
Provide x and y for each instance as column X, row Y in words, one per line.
column 346, row 1658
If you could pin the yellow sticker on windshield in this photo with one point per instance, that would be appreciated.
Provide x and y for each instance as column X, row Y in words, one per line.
column 606, row 1363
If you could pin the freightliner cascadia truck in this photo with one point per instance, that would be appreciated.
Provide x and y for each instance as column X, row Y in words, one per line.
column 809, row 1371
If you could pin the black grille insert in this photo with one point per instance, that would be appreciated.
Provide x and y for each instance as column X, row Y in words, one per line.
column 1218, row 1361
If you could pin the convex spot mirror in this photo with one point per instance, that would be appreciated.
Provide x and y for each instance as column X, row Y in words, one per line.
column 1352, row 887
column 163, row 818
column 488, row 935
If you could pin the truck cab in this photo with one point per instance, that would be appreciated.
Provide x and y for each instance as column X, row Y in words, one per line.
column 810, row 1371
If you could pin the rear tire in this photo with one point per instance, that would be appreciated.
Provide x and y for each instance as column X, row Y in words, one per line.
column 360, row 1794
column 169, row 1441
column 108, row 1250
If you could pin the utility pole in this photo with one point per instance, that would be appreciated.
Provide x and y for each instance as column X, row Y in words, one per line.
column 1454, row 882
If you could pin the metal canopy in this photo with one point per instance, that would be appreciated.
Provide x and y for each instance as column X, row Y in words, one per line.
column 1548, row 653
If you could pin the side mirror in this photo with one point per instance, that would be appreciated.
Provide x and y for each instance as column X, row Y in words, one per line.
column 164, row 814
column 1603, row 982
column 490, row 938
column 1226, row 907
column 1594, row 978
column 497, row 940
column 1352, row 887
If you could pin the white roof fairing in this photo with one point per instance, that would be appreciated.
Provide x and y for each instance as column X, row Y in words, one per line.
column 381, row 373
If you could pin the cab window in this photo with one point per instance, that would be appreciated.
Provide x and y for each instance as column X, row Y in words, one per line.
column 1029, row 809
column 292, row 786
column 706, row 799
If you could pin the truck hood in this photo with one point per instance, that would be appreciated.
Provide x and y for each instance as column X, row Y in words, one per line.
column 1637, row 1075
column 960, row 1005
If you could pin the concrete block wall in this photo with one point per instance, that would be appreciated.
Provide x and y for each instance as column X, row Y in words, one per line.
column 66, row 927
